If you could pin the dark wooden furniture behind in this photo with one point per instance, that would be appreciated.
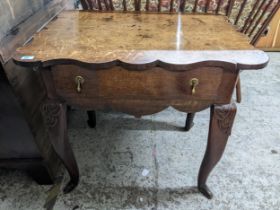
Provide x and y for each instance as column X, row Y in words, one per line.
column 122, row 64
column 17, row 145
column 24, row 142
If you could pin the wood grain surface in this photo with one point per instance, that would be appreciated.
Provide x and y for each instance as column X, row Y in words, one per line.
column 98, row 37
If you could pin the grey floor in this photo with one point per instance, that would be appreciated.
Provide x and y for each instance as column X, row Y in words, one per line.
column 149, row 163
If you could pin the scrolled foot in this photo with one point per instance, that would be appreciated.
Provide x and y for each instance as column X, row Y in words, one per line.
column 205, row 191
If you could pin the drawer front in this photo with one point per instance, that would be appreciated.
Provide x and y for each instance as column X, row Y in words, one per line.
column 215, row 85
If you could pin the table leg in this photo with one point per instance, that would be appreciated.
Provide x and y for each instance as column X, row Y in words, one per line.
column 221, row 121
column 91, row 119
column 238, row 90
column 189, row 121
column 54, row 114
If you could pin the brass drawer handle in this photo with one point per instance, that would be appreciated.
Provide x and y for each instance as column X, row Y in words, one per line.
column 193, row 83
column 79, row 81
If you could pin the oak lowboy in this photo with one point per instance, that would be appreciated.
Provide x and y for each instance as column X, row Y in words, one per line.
column 119, row 61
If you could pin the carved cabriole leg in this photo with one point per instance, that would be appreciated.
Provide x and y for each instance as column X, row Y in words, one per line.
column 189, row 121
column 54, row 114
column 91, row 119
column 221, row 121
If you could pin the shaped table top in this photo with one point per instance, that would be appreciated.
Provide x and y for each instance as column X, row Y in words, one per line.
column 140, row 38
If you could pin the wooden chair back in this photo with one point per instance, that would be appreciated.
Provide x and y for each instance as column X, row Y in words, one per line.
column 251, row 17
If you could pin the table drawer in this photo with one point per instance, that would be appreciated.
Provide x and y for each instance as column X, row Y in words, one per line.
column 152, row 84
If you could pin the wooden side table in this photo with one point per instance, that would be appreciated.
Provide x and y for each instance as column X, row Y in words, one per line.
column 140, row 64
